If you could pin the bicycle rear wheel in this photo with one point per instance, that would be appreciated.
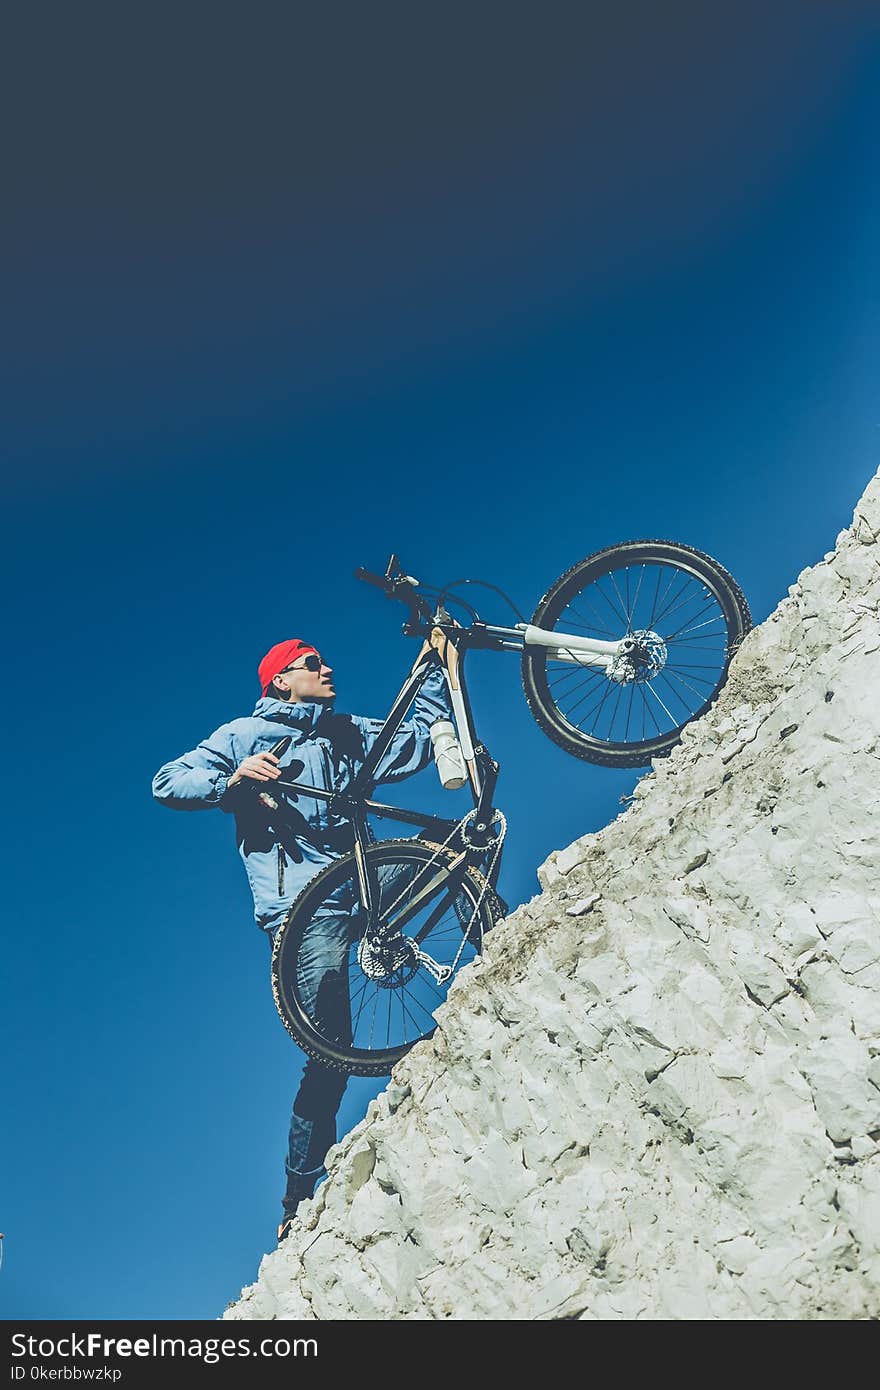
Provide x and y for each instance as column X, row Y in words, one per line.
column 688, row 616
column 360, row 1007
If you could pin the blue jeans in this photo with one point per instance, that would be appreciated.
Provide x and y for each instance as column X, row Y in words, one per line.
column 322, row 973
column 323, row 985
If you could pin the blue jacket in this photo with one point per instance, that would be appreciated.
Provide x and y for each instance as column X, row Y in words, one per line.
column 327, row 750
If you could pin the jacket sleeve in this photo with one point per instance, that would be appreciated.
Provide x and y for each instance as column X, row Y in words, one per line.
column 198, row 780
column 410, row 750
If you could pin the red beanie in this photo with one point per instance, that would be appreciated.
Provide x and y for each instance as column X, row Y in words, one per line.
column 281, row 655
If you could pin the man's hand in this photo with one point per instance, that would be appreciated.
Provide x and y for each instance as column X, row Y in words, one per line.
column 260, row 767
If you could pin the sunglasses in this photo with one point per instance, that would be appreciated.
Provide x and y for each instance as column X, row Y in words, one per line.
column 308, row 663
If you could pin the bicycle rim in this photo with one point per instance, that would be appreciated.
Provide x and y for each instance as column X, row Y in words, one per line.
column 367, row 1012
column 696, row 617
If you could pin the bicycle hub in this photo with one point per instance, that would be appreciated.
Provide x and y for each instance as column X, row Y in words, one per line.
column 642, row 658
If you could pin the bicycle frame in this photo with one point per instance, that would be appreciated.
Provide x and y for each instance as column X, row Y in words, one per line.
column 448, row 645
column 356, row 803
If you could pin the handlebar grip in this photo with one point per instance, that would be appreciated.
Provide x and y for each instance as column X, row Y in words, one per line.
column 369, row 578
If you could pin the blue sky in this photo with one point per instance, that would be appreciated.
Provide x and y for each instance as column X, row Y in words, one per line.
column 488, row 292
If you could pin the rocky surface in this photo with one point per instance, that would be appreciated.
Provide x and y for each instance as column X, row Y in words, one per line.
column 658, row 1095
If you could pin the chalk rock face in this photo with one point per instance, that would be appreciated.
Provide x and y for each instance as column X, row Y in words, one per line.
column 658, row 1094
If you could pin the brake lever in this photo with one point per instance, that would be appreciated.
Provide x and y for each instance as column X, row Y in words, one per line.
column 395, row 575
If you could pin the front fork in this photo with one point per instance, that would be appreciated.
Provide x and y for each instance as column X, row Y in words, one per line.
column 559, row 646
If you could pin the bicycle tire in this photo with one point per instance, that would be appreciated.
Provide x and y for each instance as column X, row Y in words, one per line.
column 322, row 1040
column 733, row 621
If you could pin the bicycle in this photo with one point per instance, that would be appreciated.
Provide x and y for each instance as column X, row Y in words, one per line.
column 625, row 633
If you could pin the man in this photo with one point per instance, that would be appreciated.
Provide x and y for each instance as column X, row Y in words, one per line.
column 326, row 750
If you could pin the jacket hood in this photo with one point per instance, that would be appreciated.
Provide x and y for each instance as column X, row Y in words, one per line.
column 303, row 716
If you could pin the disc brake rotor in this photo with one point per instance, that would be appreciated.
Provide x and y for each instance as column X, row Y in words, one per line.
column 642, row 662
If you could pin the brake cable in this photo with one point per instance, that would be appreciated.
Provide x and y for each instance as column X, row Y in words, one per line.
column 484, row 583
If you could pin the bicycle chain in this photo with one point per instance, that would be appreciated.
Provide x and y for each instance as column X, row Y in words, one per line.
column 487, row 878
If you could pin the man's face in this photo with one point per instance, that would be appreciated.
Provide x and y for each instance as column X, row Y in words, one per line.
column 309, row 680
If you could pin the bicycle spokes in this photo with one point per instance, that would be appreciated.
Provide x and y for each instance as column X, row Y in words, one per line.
column 680, row 654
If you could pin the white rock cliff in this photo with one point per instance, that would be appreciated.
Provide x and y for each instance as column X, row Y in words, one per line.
column 658, row 1095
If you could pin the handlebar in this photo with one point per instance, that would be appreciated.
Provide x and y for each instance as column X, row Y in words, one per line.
column 402, row 587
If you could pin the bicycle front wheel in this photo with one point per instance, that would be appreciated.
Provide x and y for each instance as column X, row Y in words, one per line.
column 359, row 999
column 688, row 617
